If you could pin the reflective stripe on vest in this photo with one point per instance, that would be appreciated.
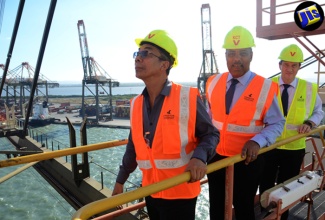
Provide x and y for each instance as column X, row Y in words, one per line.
column 212, row 85
column 131, row 107
column 252, row 128
column 183, row 131
column 308, row 98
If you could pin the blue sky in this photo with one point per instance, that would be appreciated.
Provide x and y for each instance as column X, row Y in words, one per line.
column 112, row 25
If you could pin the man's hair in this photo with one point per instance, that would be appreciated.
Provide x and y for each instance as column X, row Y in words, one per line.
column 281, row 61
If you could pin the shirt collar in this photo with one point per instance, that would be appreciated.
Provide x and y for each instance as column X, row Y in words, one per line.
column 243, row 79
column 293, row 83
column 165, row 91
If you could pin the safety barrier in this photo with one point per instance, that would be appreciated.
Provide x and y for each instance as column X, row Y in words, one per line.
column 102, row 205
column 317, row 154
column 60, row 153
column 19, row 170
column 131, row 208
column 105, row 204
column 48, row 142
column 45, row 140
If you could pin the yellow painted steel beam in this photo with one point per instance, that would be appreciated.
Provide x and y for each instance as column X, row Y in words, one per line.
column 60, row 153
column 14, row 173
column 102, row 205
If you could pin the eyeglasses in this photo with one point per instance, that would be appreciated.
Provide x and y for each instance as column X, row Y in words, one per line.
column 242, row 53
column 144, row 53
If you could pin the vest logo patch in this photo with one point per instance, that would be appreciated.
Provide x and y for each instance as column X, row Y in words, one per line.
column 169, row 115
column 249, row 97
column 301, row 99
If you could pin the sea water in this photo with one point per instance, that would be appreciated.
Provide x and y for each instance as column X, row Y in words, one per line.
column 28, row 196
column 76, row 89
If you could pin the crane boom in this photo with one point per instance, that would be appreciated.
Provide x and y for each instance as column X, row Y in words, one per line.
column 93, row 74
column 209, row 65
column 84, row 49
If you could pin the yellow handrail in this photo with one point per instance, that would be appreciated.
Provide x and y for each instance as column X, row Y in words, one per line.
column 102, row 205
column 60, row 153
column 19, row 170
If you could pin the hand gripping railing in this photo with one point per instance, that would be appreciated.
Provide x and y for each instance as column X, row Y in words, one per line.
column 103, row 205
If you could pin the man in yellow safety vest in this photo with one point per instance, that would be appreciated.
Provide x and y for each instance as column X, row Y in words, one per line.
column 302, row 108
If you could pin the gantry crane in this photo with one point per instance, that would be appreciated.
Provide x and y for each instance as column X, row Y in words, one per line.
column 209, row 65
column 93, row 74
column 19, row 81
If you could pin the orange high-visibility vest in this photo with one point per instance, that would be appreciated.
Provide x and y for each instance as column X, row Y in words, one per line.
column 173, row 143
column 245, row 119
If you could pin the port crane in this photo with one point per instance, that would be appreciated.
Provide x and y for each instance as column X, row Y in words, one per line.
column 209, row 64
column 18, row 84
column 94, row 74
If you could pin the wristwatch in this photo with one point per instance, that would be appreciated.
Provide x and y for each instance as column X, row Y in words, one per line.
column 308, row 123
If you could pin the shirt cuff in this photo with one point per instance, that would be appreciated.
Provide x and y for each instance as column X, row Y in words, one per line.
column 309, row 124
column 260, row 142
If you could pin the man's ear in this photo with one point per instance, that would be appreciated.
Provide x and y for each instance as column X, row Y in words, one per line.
column 280, row 64
column 165, row 65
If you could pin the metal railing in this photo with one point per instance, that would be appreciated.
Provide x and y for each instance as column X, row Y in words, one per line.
column 114, row 201
column 60, row 153
column 102, row 174
column 103, row 205
column 45, row 140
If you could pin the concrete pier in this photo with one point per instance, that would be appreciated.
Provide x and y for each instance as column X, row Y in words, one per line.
column 75, row 119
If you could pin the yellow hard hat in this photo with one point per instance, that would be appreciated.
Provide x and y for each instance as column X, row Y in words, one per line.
column 162, row 39
column 292, row 53
column 238, row 38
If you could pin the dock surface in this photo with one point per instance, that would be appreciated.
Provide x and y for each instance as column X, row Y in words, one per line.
column 74, row 118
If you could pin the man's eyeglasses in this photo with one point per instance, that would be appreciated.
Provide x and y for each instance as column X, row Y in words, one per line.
column 242, row 53
column 144, row 53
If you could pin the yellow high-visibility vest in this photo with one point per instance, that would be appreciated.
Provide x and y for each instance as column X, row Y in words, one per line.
column 301, row 108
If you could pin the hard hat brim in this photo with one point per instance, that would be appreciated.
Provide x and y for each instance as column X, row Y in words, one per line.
column 138, row 41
